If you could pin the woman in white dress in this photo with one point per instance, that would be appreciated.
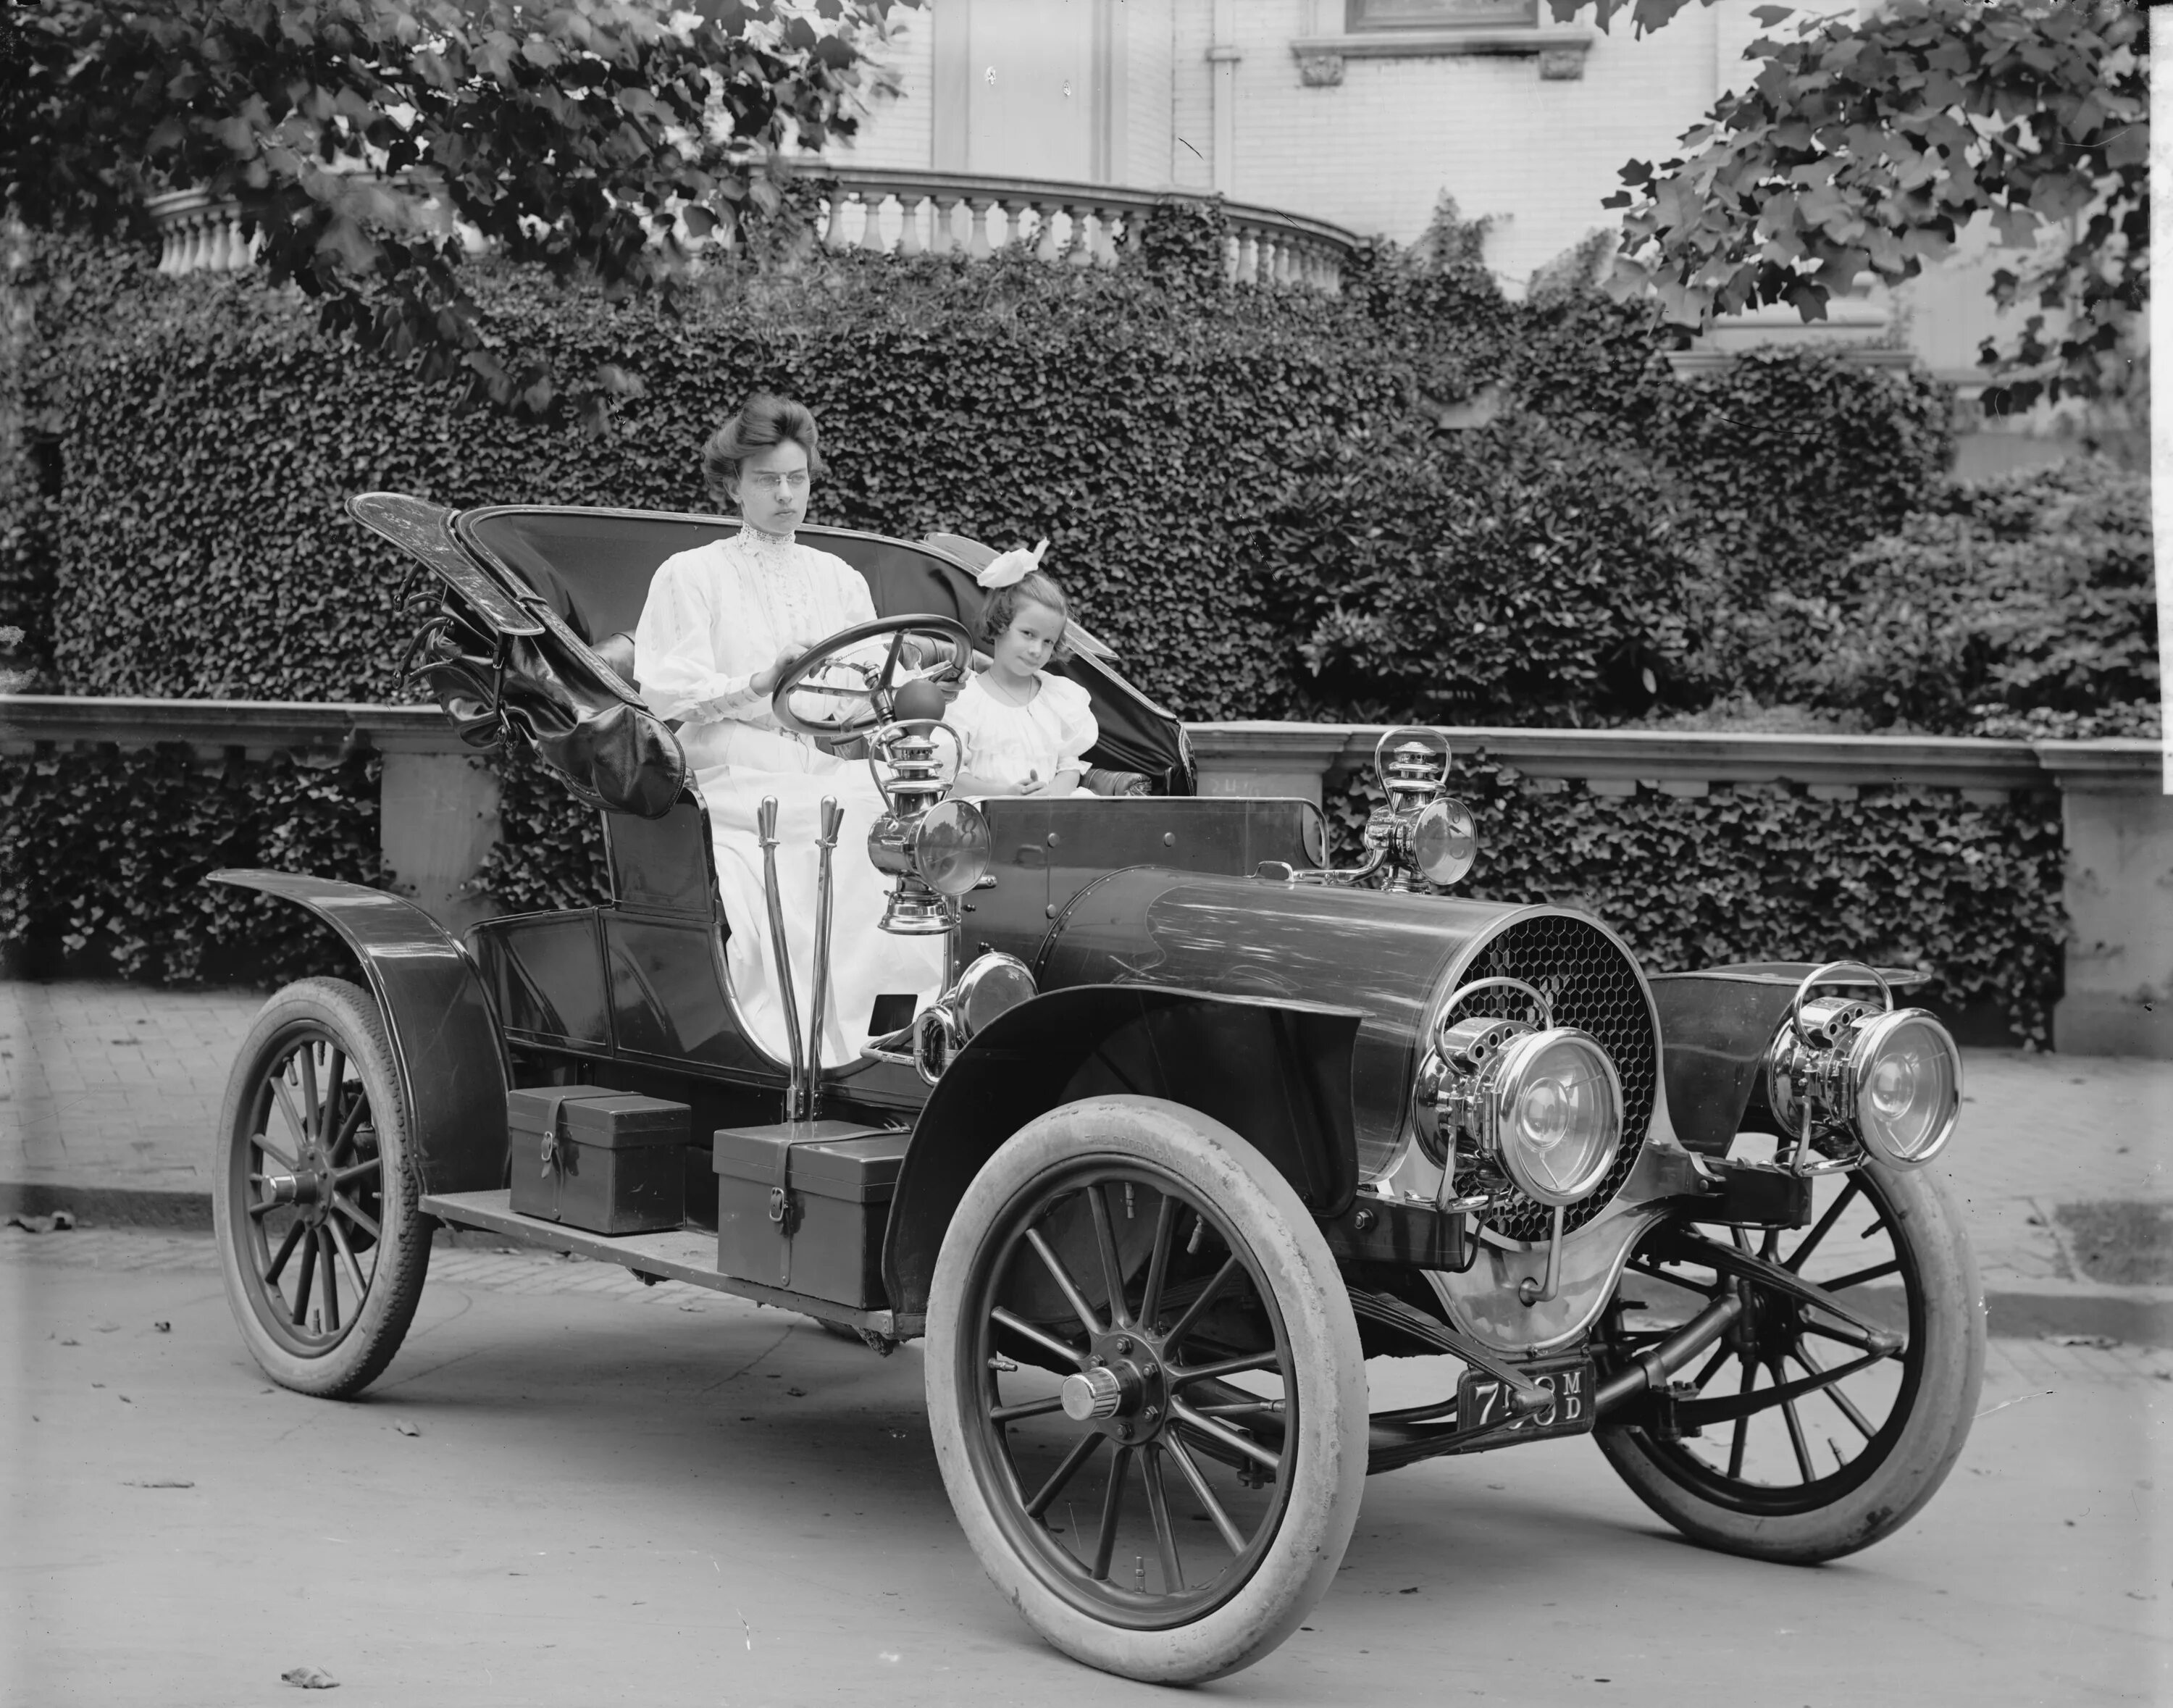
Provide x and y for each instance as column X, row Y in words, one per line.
column 721, row 624
column 1023, row 731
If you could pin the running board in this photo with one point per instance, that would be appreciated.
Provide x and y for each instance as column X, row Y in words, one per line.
column 687, row 1255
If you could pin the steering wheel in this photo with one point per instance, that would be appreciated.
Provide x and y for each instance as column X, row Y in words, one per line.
column 881, row 688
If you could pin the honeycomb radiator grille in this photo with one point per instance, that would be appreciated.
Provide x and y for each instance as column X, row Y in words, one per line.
column 1595, row 987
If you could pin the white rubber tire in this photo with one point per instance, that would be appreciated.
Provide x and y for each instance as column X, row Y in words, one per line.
column 1329, row 1472
column 346, row 1011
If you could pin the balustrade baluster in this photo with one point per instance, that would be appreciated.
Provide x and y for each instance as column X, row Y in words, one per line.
column 908, row 227
column 943, row 237
column 1083, row 219
column 834, row 237
column 977, row 235
column 1045, row 248
column 871, row 209
column 1248, row 257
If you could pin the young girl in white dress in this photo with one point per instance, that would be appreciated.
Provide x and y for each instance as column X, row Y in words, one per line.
column 1024, row 731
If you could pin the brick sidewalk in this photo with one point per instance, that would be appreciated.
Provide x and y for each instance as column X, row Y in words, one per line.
column 116, row 1088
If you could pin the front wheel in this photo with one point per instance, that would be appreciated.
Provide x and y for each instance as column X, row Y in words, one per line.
column 1146, row 1389
column 314, row 1194
column 1801, row 1437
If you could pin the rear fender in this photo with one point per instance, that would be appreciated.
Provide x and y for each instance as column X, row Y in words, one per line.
column 453, row 1068
column 1279, row 1072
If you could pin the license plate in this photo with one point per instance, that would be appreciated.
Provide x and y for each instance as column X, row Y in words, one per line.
column 1482, row 1399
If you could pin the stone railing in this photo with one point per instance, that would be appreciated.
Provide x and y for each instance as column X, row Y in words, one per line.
column 902, row 212
column 197, row 234
column 439, row 806
column 907, row 213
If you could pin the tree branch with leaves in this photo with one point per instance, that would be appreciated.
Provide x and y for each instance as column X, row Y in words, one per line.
column 1863, row 149
column 596, row 139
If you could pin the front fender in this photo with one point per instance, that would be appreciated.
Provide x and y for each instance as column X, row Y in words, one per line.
column 1715, row 1029
column 1277, row 1072
column 452, row 1070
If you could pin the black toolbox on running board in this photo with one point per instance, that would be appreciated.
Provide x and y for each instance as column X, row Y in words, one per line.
column 802, row 1206
column 607, row 1162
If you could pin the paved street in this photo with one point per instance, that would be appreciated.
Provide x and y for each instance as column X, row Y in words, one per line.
column 619, row 1494
column 108, row 1094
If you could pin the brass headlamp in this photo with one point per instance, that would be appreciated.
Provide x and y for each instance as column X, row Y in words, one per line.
column 1848, row 1078
column 1536, row 1107
column 933, row 849
column 1423, row 830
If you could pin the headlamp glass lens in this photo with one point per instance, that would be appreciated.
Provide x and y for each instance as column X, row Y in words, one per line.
column 992, row 986
column 1561, row 1115
column 951, row 848
column 1444, row 842
column 1909, row 1087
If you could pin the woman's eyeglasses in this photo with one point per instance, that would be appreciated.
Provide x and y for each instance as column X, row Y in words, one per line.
column 769, row 480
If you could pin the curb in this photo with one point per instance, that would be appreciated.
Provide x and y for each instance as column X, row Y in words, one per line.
column 109, row 1206
column 2137, row 1315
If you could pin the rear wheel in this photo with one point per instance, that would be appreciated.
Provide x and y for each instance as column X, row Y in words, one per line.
column 1801, row 1437
column 315, row 1193
column 1146, row 1389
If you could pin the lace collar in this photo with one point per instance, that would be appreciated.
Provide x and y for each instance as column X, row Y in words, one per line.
column 766, row 550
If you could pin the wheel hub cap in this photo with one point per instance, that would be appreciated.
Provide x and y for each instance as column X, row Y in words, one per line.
column 1092, row 1394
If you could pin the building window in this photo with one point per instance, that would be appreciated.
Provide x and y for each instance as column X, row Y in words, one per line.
column 1435, row 14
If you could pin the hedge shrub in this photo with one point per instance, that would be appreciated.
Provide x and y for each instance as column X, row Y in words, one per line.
column 2024, row 605
column 1510, row 575
column 1914, row 877
column 102, row 866
column 1149, row 420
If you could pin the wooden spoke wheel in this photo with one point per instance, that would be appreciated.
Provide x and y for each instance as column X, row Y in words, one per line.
column 322, row 1247
column 1146, row 1391
column 1804, row 1435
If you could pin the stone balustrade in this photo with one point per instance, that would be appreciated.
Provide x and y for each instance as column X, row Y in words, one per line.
column 438, row 806
column 906, row 212
column 197, row 234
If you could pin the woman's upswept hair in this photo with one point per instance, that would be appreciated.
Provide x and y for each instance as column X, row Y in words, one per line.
column 763, row 421
column 1036, row 587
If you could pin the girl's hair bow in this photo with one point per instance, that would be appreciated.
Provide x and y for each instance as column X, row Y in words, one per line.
column 1012, row 568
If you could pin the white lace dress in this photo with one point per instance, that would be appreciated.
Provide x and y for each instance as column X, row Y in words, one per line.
column 1016, row 745
column 715, row 617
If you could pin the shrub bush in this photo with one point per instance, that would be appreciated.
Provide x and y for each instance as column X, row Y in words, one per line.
column 102, row 866
column 1509, row 574
column 2024, row 605
column 1146, row 421
column 1909, row 877
column 550, row 849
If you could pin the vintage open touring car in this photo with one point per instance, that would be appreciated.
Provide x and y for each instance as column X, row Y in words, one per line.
column 1198, row 1126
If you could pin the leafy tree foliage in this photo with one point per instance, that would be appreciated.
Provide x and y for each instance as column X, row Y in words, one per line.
column 1865, row 148
column 595, row 138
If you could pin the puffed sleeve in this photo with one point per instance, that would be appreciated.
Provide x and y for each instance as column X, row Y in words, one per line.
column 1077, row 730
column 674, row 648
column 965, row 716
